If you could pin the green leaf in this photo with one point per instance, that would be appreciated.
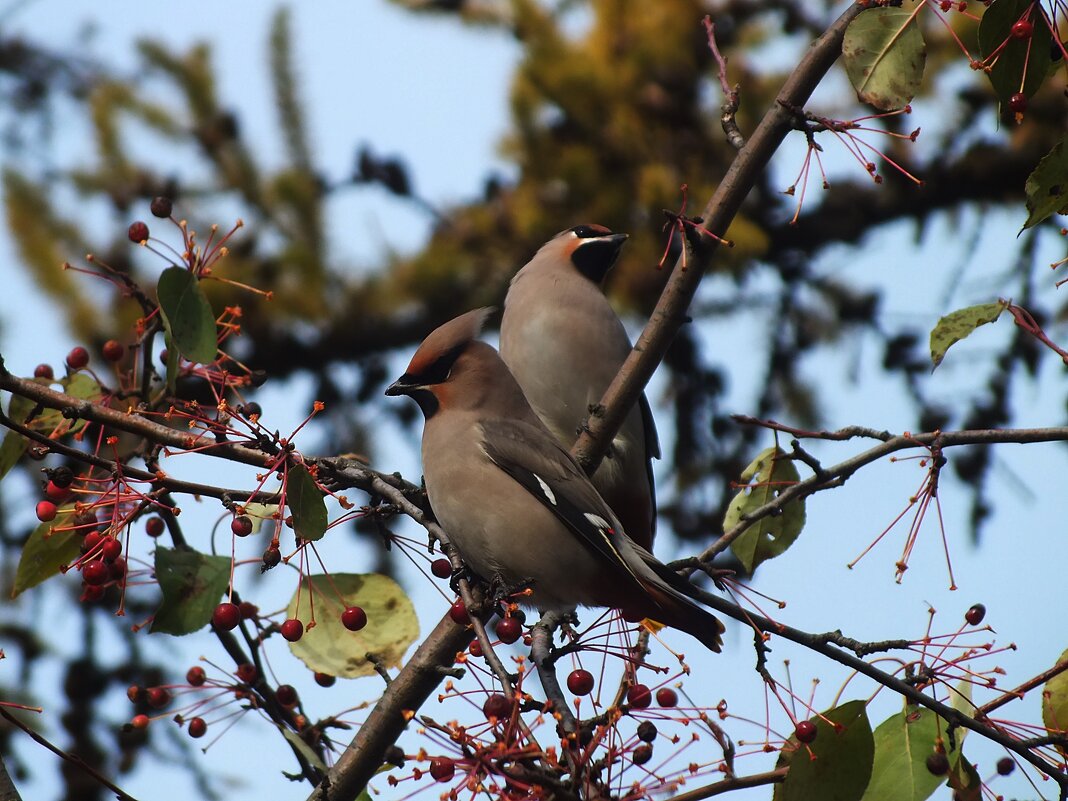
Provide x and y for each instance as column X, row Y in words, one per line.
column 1032, row 53
column 1055, row 701
column 14, row 444
column 902, row 744
column 192, row 584
column 884, row 56
column 173, row 359
column 965, row 780
column 309, row 753
column 329, row 647
column 81, row 386
column 1047, row 186
column 187, row 315
column 767, row 475
column 46, row 552
column 306, row 502
column 957, row 325
column 258, row 512
column 840, row 763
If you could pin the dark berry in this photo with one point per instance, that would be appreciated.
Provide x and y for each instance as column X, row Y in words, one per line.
column 138, row 232
column 286, row 695
column 43, row 371
column 117, row 568
column 92, row 593
column 667, row 697
column 442, row 769
column 251, row 409
column 196, row 676
column 77, row 358
column 1018, row 103
column 158, row 697
column 975, row 614
column 111, row 549
column 161, row 207
column 292, row 629
column 62, row 477
column 938, row 763
column 140, row 721
column 475, row 648
column 197, row 727
column 442, row 568
column 325, row 679
column 805, row 731
column 96, row 574
column 271, row 557
column 642, row 754
column 113, row 350
column 639, row 696
column 1006, row 766
column 509, row 630
column 580, row 682
column 1022, row 29
column 497, row 706
column 46, row 511
column 647, row 731
column 249, row 610
column 91, row 541
column 135, row 693
column 354, row 618
column 154, row 526
column 246, row 672
column 458, row 613
column 226, row 616
column 241, row 525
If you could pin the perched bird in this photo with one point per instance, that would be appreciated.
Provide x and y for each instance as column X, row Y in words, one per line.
column 519, row 509
column 564, row 344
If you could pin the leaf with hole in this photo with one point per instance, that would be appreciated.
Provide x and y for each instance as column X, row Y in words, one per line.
column 766, row 476
column 957, row 325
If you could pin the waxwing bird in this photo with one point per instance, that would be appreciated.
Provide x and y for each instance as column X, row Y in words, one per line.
column 564, row 344
column 518, row 508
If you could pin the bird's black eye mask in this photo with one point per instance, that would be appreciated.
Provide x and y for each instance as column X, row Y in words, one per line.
column 595, row 257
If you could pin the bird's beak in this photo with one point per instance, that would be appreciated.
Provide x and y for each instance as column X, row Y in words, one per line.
column 402, row 386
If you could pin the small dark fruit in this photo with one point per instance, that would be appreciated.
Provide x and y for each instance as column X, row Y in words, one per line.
column 241, row 525
column 161, row 207
column 667, row 697
column 246, row 672
column 1018, row 103
column 113, row 350
column 442, row 769
column 938, row 763
column 805, row 732
column 292, row 629
column 975, row 614
column 642, row 754
column 135, row 693
column 271, row 557
column 442, row 568
column 111, row 549
column 197, row 728
column 196, row 676
column 458, row 613
column 158, row 697
column 286, row 695
column 475, row 648
column 43, row 371
column 497, row 706
column 62, row 477
column 1022, row 29
column 137, row 232
column 325, row 679
column 1006, row 766
column 154, row 526
column 639, row 696
column 647, row 731
column 354, row 618
column 226, row 616
column 46, row 511
column 95, row 574
column 250, row 409
column 77, row 358
column 509, row 630
column 249, row 610
column 580, row 682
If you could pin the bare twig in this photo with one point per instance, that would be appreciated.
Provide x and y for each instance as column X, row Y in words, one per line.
column 729, row 109
column 733, row 783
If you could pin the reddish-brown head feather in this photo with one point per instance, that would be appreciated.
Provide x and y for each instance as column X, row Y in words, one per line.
column 453, row 334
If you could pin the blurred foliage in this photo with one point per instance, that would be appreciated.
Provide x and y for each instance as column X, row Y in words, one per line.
column 615, row 106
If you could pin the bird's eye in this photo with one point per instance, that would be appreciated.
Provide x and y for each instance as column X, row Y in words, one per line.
column 585, row 232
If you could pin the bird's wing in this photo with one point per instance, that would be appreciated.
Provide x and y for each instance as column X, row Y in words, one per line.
column 652, row 439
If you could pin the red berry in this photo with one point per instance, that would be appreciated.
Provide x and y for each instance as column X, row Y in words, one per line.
column 113, row 350
column 509, row 630
column 140, row 721
column 158, row 697
column 196, row 676
column 1006, row 766
column 667, row 697
column 938, row 763
column 475, row 648
column 138, row 232
column 497, row 706
column 805, row 731
column 95, row 574
column 442, row 568
column 77, row 358
column 161, row 207
column 111, row 549
column 246, row 672
column 1018, row 103
column 91, row 594
column 154, row 526
column 639, row 696
column 442, row 769
column 226, row 616
column 91, row 541
column 292, row 629
column 580, row 682
column 354, row 618
column 325, row 679
column 249, row 610
column 197, row 727
column 43, row 371
column 46, row 511
column 241, row 525
column 1022, row 29
column 56, row 493
column 134, row 693
column 642, row 754
column 286, row 695
column 458, row 613
column 271, row 557
column 975, row 614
